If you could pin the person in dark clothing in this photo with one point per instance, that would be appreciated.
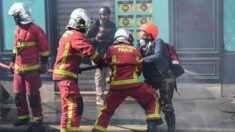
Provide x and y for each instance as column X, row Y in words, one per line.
column 156, row 69
column 101, row 36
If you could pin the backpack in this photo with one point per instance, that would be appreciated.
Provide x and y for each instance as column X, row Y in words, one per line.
column 175, row 66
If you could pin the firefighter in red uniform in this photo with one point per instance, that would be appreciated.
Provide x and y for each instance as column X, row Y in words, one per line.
column 125, row 82
column 30, row 44
column 72, row 46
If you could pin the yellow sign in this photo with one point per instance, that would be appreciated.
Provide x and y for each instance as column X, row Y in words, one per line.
column 126, row 21
column 125, row 6
column 140, row 19
column 144, row 5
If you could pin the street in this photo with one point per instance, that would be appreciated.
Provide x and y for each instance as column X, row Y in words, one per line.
column 192, row 115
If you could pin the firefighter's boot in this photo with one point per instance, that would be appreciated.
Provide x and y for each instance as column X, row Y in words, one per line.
column 152, row 126
column 21, row 122
column 36, row 122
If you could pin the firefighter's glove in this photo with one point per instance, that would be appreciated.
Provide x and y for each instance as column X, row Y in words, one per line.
column 11, row 67
column 101, row 63
column 44, row 68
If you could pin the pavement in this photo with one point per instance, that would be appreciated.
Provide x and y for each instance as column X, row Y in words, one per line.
column 192, row 115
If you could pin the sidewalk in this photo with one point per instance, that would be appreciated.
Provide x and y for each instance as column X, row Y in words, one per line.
column 192, row 115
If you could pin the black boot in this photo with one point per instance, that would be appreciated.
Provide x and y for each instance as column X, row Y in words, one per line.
column 152, row 126
column 170, row 120
column 21, row 122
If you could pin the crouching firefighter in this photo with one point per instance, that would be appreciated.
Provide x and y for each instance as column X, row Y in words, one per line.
column 29, row 59
column 72, row 46
column 156, row 69
column 124, row 82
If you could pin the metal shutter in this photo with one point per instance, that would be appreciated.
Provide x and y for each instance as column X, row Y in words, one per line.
column 65, row 7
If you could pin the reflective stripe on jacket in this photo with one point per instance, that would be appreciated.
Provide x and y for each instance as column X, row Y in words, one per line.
column 30, row 42
column 126, row 76
column 72, row 46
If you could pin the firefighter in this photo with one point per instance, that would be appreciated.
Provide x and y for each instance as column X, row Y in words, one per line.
column 101, row 36
column 72, row 46
column 29, row 59
column 124, row 82
column 156, row 69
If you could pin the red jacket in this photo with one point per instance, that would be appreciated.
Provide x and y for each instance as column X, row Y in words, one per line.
column 72, row 46
column 30, row 41
column 126, row 76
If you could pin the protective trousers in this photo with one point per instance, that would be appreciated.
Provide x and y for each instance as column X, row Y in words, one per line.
column 166, row 88
column 72, row 105
column 145, row 95
column 28, row 84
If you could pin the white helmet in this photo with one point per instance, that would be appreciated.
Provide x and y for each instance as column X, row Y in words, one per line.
column 21, row 10
column 77, row 16
column 122, row 36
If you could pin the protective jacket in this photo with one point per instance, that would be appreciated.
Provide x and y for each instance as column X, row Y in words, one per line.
column 30, row 43
column 106, row 32
column 72, row 46
column 123, row 76
column 125, row 83
column 156, row 62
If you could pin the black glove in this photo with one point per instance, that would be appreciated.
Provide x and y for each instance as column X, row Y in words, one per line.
column 43, row 68
column 101, row 63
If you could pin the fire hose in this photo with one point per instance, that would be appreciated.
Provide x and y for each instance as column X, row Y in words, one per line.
column 82, row 69
column 96, row 66
column 4, row 66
